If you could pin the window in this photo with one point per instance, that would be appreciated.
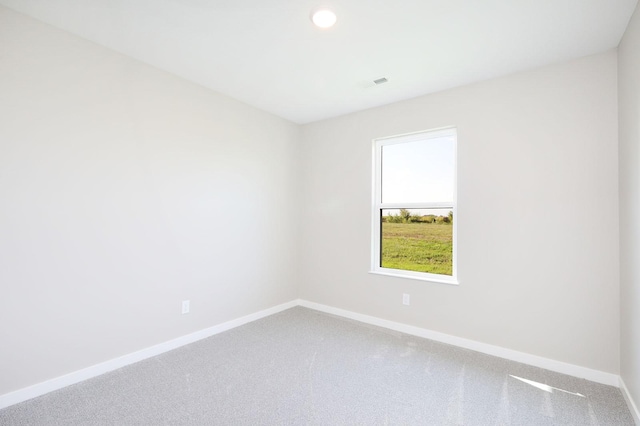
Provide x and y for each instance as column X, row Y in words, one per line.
column 414, row 206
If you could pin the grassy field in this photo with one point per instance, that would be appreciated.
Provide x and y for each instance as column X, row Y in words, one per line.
column 418, row 247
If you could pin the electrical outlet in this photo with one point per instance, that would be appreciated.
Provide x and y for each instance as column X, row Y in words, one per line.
column 185, row 306
column 406, row 299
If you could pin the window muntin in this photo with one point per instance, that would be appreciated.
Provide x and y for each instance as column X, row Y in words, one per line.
column 414, row 209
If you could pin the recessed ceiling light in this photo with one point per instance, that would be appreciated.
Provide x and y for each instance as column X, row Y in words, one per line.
column 323, row 18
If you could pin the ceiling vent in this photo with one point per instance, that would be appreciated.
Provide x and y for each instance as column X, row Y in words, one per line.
column 380, row 80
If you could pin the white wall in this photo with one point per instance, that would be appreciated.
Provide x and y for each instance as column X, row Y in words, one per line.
column 537, row 215
column 124, row 190
column 629, row 107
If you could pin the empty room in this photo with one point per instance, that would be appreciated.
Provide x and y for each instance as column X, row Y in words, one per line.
column 230, row 212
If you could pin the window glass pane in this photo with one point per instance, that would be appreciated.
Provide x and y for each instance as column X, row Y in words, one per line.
column 417, row 240
column 418, row 171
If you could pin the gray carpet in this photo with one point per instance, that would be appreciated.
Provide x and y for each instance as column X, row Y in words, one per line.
column 302, row 367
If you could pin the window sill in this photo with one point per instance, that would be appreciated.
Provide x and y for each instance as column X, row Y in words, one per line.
column 417, row 276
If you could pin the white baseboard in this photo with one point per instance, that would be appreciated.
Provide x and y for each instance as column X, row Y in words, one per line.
column 98, row 369
column 113, row 364
column 537, row 361
column 630, row 403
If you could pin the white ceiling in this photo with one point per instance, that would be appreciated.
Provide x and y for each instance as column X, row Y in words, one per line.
column 269, row 55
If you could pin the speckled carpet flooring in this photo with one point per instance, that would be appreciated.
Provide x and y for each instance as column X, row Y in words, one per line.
column 302, row 367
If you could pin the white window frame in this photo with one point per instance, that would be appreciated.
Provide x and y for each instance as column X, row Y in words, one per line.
column 378, row 206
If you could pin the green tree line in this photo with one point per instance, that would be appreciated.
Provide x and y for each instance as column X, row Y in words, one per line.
column 405, row 216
